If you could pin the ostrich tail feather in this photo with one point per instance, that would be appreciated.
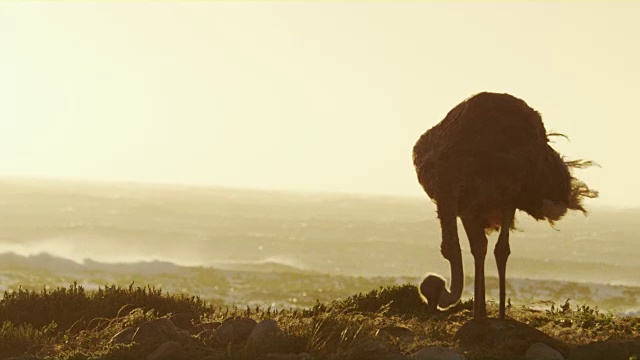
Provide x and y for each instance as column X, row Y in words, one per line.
column 580, row 190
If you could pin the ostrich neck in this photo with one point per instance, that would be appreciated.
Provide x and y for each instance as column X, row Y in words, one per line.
column 452, row 296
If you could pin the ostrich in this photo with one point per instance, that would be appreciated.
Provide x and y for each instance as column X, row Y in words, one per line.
column 488, row 158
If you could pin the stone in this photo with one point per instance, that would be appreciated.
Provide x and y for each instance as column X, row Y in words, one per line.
column 405, row 335
column 216, row 354
column 395, row 331
column 233, row 330
column 542, row 351
column 170, row 350
column 206, row 326
column 608, row 350
column 183, row 321
column 436, row 353
column 123, row 337
column 373, row 349
column 508, row 337
column 184, row 335
column 209, row 338
column 157, row 330
column 267, row 336
column 205, row 334
column 394, row 356
column 300, row 356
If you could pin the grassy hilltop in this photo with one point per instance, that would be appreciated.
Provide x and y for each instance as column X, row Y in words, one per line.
column 71, row 323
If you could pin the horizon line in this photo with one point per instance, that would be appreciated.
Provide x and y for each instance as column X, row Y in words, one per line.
column 201, row 185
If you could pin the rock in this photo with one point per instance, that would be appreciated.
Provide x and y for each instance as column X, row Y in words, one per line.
column 508, row 337
column 394, row 356
column 216, row 354
column 209, row 338
column 405, row 335
column 183, row 321
column 300, row 356
column 205, row 334
column 604, row 351
column 215, row 357
column 234, row 330
column 634, row 347
column 542, row 351
column 123, row 337
column 267, row 337
column 372, row 349
column 206, row 326
column 184, row 334
column 436, row 353
column 609, row 350
column 395, row 331
column 170, row 350
column 157, row 330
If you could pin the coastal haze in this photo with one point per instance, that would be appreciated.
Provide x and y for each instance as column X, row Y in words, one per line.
column 333, row 243
column 360, row 235
column 261, row 152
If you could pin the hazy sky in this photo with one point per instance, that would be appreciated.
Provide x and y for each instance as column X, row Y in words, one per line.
column 307, row 96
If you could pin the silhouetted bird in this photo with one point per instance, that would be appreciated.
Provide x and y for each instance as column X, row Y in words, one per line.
column 488, row 157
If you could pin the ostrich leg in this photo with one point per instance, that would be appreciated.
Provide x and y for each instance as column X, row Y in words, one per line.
column 450, row 249
column 501, row 252
column 478, row 242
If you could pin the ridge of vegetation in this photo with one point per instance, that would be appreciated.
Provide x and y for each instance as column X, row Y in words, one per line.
column 71, row 323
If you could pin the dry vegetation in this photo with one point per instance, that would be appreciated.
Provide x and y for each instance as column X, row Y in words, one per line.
column 71, row 323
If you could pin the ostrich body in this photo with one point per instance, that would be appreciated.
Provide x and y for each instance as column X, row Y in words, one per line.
column 489, row 157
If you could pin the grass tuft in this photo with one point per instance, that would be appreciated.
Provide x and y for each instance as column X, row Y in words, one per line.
column 71, row 323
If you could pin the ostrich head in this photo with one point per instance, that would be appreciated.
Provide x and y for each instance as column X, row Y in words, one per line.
column 435, row 293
